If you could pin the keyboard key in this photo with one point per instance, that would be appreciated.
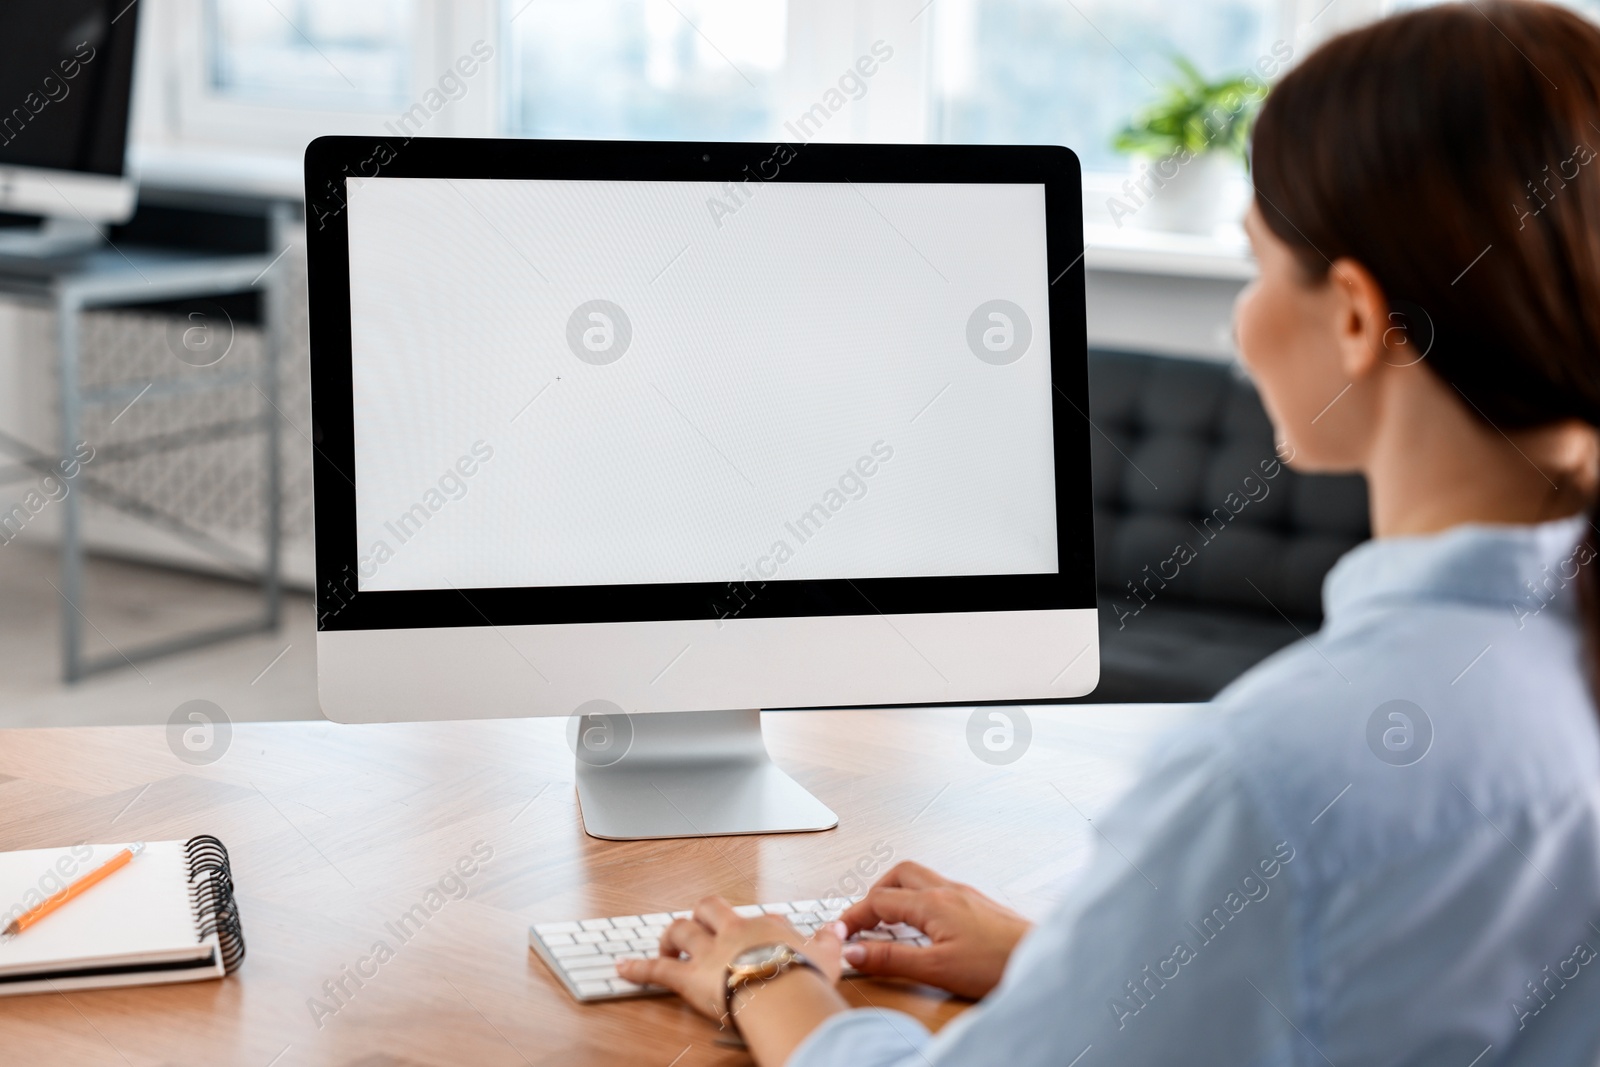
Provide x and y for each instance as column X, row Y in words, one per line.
column 749, row 911
column 593, row 974
column 595, row 924
column 588, row 937
column 876, row 934
column 652, row 932
column 777, row 909
column 683, row 915
column 627, row 922
column 805, row 917
column 594, row 989
column 658, row 918
column 609, row 947
column 806, row 905
column 562, row 952
column 546, row 929
column 622, row 985
column 558, row 939
column 644, row 944
column 619, row 957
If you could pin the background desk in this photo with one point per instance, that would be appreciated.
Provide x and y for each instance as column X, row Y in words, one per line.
column 336, row 831
column 120, row 276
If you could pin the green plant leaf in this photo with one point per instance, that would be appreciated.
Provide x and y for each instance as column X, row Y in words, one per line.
column 1193, row 113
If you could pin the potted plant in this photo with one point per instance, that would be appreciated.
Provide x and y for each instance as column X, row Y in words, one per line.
column 1188, row 150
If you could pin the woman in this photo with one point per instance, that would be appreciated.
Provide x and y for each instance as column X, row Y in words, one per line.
column 1383, row 844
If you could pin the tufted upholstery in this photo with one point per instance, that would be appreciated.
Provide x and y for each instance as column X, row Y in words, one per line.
column 1184, row 457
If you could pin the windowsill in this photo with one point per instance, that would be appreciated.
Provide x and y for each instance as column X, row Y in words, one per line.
column 1223, row 255
column 1132, row 248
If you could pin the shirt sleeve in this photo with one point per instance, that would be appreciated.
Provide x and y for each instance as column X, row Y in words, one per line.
column 1179, row 938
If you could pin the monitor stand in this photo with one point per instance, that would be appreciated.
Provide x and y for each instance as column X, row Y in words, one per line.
column 52, row 238
column 688, row 774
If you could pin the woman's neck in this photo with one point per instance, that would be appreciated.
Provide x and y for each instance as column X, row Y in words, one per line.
column 1435, row 463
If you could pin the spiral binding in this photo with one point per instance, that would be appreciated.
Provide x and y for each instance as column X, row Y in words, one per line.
column 211, row 896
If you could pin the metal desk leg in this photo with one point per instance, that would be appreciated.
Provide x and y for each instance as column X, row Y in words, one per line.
column 274, row 331
column 67, row 335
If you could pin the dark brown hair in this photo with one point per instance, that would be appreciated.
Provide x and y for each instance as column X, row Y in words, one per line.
column 1452, row 152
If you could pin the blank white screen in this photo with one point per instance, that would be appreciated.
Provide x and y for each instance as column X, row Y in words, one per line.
column 783, row 343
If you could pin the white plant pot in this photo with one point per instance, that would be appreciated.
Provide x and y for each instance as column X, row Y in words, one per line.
column 1198, row 198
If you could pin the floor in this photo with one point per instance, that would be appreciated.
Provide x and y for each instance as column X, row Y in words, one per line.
column 263, row 677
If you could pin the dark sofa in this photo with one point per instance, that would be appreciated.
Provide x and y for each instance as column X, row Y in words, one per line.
column 1210, row 553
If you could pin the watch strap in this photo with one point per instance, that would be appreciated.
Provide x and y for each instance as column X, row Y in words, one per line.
column 791, row 958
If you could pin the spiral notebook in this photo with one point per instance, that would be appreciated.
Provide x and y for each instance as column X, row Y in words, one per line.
column 169, row 916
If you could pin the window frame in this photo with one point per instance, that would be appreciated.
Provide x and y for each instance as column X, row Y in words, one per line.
column 179, row 107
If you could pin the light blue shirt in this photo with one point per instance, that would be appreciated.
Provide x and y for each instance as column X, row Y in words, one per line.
column 1314, row 875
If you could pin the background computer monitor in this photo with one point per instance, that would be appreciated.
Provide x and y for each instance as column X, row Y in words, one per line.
column 66, row 74
column 607, row 429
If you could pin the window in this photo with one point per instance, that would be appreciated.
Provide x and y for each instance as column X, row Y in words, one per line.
column 1072, row 72
column 351, row 55
column 265, row 76
column 690, row 69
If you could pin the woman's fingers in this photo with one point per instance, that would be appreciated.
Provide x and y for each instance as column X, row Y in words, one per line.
column 895, row 959
column 825, row 946
column 685, row 935
column 888, row 904
column 903, row 875
column 671, row 973
column 909, row 875
column 714, row 913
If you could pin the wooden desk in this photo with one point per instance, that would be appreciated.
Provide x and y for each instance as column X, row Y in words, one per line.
column 336, row 831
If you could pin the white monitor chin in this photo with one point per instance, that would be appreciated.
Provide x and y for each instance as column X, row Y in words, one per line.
column 75, row 208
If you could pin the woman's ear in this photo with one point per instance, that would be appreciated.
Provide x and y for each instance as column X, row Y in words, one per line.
column 1361, row 321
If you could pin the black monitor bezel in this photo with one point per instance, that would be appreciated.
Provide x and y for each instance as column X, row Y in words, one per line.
column 105, row 100
column 329, row 161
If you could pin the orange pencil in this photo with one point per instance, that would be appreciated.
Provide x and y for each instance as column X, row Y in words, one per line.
column 93, row 878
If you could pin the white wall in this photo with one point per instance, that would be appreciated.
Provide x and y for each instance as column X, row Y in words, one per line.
column 1171, row 315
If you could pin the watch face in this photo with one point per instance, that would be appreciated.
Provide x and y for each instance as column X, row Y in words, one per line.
column 760, row 956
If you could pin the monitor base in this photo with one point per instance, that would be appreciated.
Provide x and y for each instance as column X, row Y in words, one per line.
column 688, row 774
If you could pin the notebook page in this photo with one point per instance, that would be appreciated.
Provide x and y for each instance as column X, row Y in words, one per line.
column 140, row 914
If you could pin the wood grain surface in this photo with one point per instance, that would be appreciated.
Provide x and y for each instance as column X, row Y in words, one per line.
column 336, row 832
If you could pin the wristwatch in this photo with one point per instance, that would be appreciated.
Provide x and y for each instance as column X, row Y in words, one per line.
column 761, row 963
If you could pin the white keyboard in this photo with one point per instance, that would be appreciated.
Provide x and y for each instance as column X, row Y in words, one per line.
column 583, row 953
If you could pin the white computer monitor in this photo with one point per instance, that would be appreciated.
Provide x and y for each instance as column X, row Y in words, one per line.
column 651, row 435
column 66, row 74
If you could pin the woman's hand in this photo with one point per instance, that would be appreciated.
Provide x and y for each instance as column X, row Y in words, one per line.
column 712, row 939
column 972, row 935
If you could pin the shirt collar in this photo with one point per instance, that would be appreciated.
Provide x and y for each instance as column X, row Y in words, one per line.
column 1476, row 563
